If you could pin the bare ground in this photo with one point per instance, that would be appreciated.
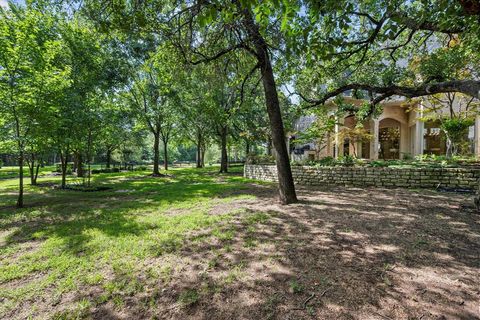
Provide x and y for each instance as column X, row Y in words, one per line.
column 341, row 253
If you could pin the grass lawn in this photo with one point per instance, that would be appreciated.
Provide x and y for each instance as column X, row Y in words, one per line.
column 201, row 245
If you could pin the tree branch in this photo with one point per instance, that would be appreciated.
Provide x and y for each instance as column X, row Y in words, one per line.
column 468, row 87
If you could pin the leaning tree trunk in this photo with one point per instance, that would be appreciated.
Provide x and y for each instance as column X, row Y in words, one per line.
column 156, row 154
column 285, row 180
column 31, row 168
column 224, row 156
column 35, row 175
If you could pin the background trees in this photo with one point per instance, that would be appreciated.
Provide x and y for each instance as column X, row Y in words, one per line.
column 152, row 95
column 30, row 78
column 207, row 31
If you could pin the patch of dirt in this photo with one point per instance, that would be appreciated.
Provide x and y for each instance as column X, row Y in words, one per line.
column 340, row 253
column 354, row 253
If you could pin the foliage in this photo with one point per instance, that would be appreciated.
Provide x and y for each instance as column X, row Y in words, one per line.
column 260, row 159
column 354, row 136
column 346, row 161
column 455, row 113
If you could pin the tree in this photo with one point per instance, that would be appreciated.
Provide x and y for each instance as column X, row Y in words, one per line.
column 205, row 31
column 116, row 126
column 195, row 125
column 366, row 47
column 95, row 70
column 29, row 75
column 151, row 95
column 456, row 113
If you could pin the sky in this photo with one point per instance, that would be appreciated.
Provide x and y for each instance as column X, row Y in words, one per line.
column 4, row 3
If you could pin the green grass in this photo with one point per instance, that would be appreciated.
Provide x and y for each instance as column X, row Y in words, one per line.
column 66, row 241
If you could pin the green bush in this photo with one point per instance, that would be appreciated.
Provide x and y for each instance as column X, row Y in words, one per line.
column 425, row 160
column 297, row 163
column 260, row 159
column 326, row 162
column 346, row 161
column 407, row 156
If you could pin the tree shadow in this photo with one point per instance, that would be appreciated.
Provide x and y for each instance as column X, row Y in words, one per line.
column 341, row 253
column 359, row 254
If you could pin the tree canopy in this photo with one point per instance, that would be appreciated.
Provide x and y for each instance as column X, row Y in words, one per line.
column 81, row 79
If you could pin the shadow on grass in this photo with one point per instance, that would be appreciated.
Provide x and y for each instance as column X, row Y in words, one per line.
column 339, row 254
column 68, row 214
column 357, row 254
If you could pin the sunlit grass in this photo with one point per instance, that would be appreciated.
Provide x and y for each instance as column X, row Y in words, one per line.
column 64, row 240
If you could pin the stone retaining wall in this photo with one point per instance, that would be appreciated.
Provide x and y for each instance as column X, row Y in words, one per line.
column 462, row 178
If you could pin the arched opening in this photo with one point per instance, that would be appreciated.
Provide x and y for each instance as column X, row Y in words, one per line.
column 389, row 139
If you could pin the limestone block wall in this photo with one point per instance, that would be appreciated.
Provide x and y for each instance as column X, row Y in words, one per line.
column 464, row 178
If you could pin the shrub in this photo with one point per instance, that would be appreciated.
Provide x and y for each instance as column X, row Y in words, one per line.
column 326, row 162
column 260, row 159
column 346, row 161
column 407, row 156
column 296, row 163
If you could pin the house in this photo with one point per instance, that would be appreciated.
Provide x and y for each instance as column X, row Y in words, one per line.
column 401, row 131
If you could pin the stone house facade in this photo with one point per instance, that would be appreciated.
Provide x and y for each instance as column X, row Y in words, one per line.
column 399, row 132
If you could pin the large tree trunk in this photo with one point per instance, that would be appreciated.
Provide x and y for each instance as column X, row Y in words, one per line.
column 156, row 154
column 165, row 154
column 224, row 156
column 285, row 180
column 20, row 185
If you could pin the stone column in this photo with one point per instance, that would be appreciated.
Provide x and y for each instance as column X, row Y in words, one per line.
column 338, row 143
column 374, row 143
column 404, row 140
column 419, row 139
column 477, row 136
column 419, row 133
